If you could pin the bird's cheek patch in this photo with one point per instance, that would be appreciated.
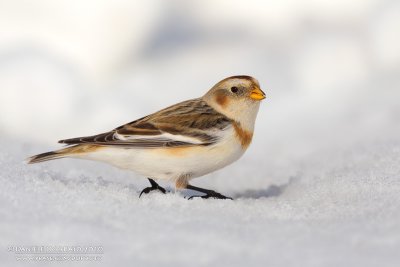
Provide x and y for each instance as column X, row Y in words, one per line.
column 222, row 100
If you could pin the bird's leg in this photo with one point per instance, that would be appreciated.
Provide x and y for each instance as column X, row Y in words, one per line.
column 208, row 193
column 154, row 186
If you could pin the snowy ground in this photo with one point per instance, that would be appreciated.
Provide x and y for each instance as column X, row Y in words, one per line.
column 319, row 186
column 331, row 208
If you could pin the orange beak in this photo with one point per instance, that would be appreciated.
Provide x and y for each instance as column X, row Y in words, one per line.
column 257, row 94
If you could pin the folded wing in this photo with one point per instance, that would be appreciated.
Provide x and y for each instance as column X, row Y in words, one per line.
column 188, row 123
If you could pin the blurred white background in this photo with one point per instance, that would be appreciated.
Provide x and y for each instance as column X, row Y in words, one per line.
column 70, row 68
column 318, row 187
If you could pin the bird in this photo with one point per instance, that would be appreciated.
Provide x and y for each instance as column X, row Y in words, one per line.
column 179, row 143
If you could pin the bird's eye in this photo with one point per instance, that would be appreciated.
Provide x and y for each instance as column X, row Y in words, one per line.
column 234, row 89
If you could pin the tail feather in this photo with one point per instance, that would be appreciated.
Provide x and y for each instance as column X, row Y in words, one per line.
column 62, row 153
column 45, row 157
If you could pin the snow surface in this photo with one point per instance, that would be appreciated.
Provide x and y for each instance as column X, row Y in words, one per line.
column 319, row 186
column 334, row 208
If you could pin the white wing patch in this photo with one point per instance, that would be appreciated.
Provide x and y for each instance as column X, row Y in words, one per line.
column 160, row 137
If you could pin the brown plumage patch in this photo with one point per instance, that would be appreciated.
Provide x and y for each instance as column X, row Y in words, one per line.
column 79, row 149
column 183, row 181
column 139, row 129
column 242, row 77
column 222, row 100
column 177, row 151
column 65, row 152
column 244, row 136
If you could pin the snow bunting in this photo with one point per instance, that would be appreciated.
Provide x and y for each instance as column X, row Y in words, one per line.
column 181, row 142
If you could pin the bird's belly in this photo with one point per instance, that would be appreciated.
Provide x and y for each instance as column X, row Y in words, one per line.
column 171, row 163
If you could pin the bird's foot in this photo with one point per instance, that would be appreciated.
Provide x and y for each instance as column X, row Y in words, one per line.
column 154, row 186
column 150, row 188
column 212, row 194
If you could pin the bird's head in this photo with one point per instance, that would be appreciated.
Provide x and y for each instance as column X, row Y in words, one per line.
column 237, row 97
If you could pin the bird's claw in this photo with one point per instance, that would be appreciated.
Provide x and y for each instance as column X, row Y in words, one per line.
column 212, row 194
column 152, row 188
